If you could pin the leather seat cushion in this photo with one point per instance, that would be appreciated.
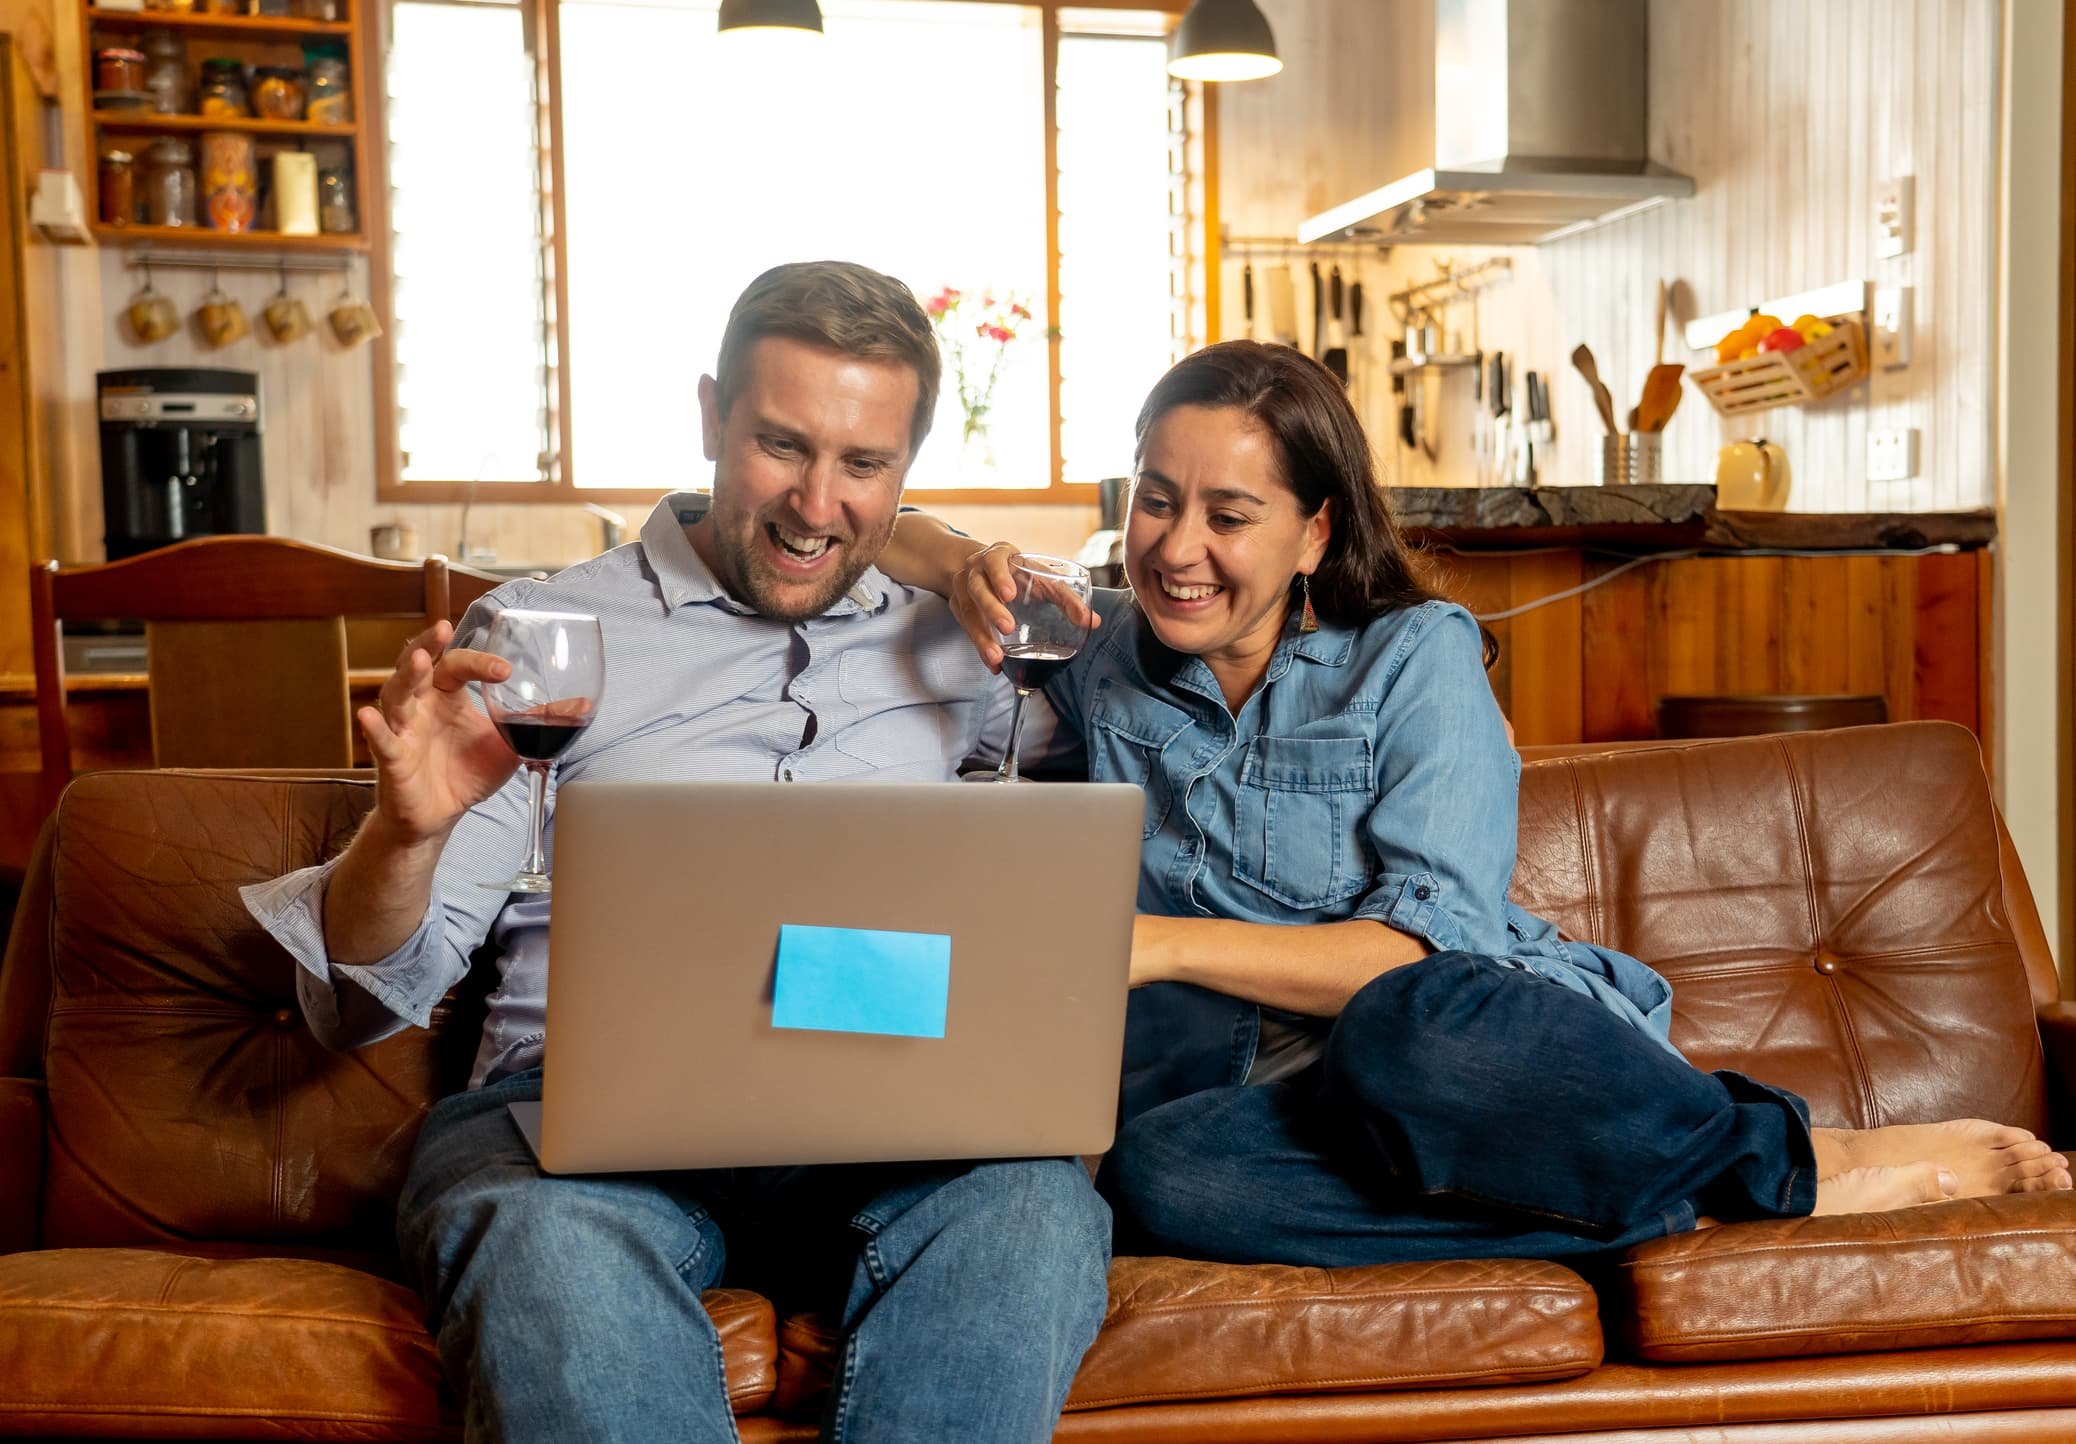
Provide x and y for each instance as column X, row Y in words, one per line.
column 1972, row 1271
column 140, row 1343
column 1177, row 1330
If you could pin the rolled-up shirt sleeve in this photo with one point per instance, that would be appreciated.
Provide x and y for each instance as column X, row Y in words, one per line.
column 387, row 996
column 1447, row 784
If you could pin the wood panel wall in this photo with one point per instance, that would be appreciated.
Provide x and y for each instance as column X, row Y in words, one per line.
column 1787, row 114
column 1592, row 667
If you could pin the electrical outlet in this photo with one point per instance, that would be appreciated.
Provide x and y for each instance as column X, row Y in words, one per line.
column 1892, row 455
column 1894, row 204
column 1888, row 340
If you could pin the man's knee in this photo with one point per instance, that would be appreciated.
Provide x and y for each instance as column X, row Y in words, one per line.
column 1047, row 1200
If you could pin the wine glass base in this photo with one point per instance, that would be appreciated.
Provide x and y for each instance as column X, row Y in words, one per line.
column 987, row 777
column 534, row 882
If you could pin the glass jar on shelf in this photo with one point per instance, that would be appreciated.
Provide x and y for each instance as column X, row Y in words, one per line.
column 330, row 10
column 335, row 215
column 169, row 182
column 119, row 68
column 223, row 89
column 223, row 7
column 277, row 92
column 330, row 96
column 165, row 73
column 118, row 177
column 230, row 180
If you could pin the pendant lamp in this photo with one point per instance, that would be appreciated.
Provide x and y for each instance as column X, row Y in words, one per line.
column 1223, row 40
column 770, row 15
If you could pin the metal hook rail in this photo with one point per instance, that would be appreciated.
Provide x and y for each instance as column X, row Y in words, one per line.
column 1447, row 287
column 234, row 261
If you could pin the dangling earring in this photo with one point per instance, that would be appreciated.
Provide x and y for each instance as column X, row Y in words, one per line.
column 1308, row 620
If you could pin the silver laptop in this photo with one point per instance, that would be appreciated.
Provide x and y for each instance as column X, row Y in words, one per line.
column 754, row 973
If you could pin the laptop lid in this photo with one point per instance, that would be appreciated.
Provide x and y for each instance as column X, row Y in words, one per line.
column 664, row 939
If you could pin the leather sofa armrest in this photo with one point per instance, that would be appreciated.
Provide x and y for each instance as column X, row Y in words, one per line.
column 2058, row 1038
column 21, row 1163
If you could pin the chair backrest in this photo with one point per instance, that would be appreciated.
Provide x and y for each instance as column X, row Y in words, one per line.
column 246, row 645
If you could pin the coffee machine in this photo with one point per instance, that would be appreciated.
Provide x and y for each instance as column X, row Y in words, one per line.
column 180, row 456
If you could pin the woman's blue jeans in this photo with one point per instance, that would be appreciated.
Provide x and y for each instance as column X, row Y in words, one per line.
column 567, row 1308
column 1464, row 1109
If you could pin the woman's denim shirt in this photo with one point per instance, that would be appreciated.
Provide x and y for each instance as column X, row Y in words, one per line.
column 1369, row 776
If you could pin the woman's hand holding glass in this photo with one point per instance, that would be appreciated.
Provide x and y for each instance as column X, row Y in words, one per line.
column 984, row 589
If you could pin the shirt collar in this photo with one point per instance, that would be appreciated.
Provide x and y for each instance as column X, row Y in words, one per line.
column 1331, row 645
column 683, row 578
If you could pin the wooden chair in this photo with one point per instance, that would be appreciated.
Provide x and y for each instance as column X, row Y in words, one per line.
column 245, row 646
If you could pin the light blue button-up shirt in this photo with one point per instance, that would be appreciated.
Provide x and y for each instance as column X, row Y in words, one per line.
column 698, row 687
column 1369, row 776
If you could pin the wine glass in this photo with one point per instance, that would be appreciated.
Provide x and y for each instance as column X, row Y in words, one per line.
column 1051, row 610
column 558, row 673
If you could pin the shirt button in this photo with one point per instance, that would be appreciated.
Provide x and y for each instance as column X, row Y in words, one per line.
column 1423, row 892
column 789, row 774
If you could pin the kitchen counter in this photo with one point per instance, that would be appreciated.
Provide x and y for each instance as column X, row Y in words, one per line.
column 1665, row 517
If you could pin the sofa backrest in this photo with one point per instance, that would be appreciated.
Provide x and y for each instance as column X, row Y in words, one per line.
column 1828, row 906
column 185, row 1099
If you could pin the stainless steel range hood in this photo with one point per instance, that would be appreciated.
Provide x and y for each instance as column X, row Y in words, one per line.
column 1539, row 130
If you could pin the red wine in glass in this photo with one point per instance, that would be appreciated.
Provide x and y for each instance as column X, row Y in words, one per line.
column 1030, row 665
column 539, row 738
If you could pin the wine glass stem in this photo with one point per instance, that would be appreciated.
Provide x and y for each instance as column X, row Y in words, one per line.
column 536, row 864
column 1007, row 771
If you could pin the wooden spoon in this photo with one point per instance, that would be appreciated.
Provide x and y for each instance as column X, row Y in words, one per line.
column 1582, row 357
column 1661, row 392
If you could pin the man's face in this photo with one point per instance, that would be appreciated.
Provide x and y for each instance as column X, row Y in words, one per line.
column 808, row 464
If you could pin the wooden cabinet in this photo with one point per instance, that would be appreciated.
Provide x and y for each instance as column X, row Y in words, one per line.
column 252, row 40
column 1591, row 666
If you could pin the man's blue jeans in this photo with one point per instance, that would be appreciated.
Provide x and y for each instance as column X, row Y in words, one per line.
column 1464, row 1109
column 567, row 1308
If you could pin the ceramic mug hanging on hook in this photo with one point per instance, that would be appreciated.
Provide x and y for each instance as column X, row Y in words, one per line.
column 220, row 319
column 353, row 321
column 152, row 317
column 286, row 317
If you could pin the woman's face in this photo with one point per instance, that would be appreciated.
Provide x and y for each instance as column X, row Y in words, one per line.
column 1216, row 535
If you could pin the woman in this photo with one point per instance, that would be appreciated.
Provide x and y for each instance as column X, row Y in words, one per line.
column 1424, row 1070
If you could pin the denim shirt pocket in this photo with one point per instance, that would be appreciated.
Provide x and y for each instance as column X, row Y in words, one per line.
column 1298, row 820
column 1127, row 734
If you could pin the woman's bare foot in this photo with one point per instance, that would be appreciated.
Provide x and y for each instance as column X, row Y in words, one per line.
column 1879, row 1188
column 1987, row 1158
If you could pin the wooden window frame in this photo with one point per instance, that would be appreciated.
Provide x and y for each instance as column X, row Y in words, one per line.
column 544, row 22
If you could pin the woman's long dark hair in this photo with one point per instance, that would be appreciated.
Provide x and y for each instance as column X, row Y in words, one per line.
column 1325, row 455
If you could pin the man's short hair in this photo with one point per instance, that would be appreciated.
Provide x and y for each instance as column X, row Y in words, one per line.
column 848, row 308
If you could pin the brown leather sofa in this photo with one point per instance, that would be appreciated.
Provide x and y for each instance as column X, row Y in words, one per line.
column 195, row 1198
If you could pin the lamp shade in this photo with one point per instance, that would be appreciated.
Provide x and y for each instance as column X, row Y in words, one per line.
column 1223, row 40
column 770, row 15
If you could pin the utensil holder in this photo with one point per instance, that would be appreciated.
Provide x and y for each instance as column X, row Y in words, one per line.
column 1632, row 458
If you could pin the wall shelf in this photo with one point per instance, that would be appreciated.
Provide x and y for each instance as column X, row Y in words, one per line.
column 249, row 125
column 253, row 26
column 251, row 40
column 223, row 240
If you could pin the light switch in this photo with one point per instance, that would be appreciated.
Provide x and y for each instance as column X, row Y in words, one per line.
column 1888, row 340
column 1892, row 455
column 1894, row 202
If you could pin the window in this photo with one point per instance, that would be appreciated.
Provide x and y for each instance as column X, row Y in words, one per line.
column 915, row 137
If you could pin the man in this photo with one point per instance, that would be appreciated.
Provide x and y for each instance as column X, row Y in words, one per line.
column 749, row 638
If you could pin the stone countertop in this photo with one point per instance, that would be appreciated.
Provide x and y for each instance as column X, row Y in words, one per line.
column 1665, row 517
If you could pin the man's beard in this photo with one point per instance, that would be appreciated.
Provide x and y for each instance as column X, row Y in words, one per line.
column 748, row 577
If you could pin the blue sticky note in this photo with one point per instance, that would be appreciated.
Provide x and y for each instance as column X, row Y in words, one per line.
column 858, row 980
